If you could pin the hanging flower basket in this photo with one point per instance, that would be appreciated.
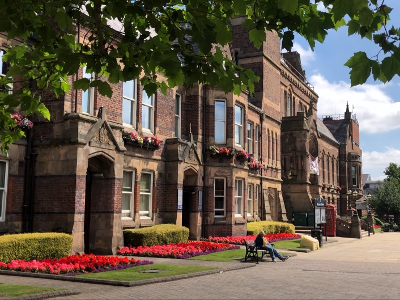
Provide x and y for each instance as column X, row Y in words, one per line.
column 149, row 142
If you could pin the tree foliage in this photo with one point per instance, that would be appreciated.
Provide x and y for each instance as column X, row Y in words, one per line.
column 158, row 35
column 392, row 172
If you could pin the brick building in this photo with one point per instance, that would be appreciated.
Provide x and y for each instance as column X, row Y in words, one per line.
column 83, row 173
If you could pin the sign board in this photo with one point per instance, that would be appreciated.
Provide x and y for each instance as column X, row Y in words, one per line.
column 180, row 198
column 319, row 210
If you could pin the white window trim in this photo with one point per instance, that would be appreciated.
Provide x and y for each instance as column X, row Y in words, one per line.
column 132, row 201
column 240, row 125
column 219, row 209
column 256, row 142
column 178, row 116
column 4, row 190
column 146, row 214
column 151, row 116
column 90, row 92
column 256, row 199
column 250, row 199
column 224, row 121
column 134, row 104
column 250, row 148
column 288, row 105
column 240, row 214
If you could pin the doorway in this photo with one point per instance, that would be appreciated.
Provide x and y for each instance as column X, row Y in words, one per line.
column 189, row 202
column 88, row 200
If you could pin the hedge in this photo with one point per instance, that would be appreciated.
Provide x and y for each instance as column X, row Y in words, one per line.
column 269, row 227
column 156, row 235
column 29, row 246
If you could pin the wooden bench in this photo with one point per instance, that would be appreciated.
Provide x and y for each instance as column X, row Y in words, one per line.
column 253, row 251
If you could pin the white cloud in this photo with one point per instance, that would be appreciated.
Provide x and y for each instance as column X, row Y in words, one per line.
column 374, row 109
column 375, row 162
column 306, row 55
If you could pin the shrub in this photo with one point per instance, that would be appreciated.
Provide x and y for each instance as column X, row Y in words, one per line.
column 253, row 228
column 156, row 235
column 29, row 246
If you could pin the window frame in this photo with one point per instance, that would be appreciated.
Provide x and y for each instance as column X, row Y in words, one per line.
column 177, row 119
column 250, row 134
column 4, row 65
column 250, row 194
column 239, row 126
column 354, row 176
column 133, row 103
column 239, row 208
column 151, row 114
column 289, row 105
column 143, row 214
column 5, row 192
column 224, row 198
column 256, row 142
column 131, row 211
column 223, row 141
column 90, row 93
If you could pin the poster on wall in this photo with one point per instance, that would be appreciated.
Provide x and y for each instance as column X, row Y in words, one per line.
column 314, row 167
column 180, row 194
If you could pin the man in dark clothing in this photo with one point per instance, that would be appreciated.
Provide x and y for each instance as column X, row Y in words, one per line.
column 262, row 243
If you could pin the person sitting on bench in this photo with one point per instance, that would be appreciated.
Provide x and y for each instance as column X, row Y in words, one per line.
column 262, row 243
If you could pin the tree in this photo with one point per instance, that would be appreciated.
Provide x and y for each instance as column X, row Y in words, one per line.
column 173, row 37
column 392, row 172
column 386, row 199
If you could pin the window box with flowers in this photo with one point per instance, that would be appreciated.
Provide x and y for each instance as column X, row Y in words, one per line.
column 22, row 121
column 149, row 142
column 243, row 155
column 255, row 164
column 222, row 151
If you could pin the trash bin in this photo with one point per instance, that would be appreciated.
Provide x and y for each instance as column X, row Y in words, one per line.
column 317, row 233
column 300, row 219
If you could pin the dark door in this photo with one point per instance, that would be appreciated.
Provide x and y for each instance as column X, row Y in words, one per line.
column 187, row 197
column 88, row 199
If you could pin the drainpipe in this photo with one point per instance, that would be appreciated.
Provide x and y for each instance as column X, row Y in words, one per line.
column 203, row 96
column 76, row 76
column 261, row 155
column 27, row 208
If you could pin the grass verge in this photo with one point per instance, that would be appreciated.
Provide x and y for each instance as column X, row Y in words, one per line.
column 147, row 272
column 225, row 256
column 15, row 290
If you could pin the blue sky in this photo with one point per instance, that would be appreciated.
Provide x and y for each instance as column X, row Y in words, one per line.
column 375, row 104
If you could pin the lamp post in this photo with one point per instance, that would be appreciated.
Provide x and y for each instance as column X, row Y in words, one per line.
column 368, row 197
column 348, row 202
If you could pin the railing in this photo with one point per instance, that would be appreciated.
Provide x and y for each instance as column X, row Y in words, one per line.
column 366, row 226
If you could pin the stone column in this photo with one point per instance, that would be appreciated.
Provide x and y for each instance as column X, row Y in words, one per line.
column 370, row 220
column 355, row 226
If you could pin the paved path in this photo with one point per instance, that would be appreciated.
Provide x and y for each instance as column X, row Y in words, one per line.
column 347, row 269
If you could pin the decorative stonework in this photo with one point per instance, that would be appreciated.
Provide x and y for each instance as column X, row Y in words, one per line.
column 103, row 136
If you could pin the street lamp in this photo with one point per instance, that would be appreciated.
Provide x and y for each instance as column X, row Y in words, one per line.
column 368, row 199
column 348, row 202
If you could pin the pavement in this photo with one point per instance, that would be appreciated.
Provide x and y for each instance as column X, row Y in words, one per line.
column 367, row 268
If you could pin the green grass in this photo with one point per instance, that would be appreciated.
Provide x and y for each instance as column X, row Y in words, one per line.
column 225, row 256
column 15, row 290
column 135, row 273
column 378, row 230
column 290, row 244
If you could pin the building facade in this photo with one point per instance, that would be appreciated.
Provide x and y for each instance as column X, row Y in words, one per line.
column 195, row 157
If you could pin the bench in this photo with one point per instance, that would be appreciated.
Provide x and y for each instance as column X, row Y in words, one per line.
column 252, row 251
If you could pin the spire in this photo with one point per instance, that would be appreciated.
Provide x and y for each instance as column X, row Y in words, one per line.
column 347, row 114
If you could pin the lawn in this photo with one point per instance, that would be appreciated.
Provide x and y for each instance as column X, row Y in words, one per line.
column 226, row 256
column 147, row 272
column 15, row 290
column 290, row 244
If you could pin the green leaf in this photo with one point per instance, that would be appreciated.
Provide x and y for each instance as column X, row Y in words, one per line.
column 103, row 87
column 82, row 84
column 340, row 8
column 257, row 37
column 360, row 66
column 288, row 5
column 62, row 19
column 43, row 111
column 150, row 88
column 366, row 16
column 353, row 27
column 390, row 66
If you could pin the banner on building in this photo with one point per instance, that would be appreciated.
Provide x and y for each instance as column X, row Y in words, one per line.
column 314, row 167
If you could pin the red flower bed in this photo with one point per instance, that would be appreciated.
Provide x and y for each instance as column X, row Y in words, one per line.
column 181, row 250
column 72, row 264
column 377, row 226
column 239, row 240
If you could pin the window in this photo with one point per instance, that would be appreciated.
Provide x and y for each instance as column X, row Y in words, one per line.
column 3, row 189
column 219, row 128
column 300, row 106
column 256, row 202
column 250, row 138
column 250, row 209
column 269, row 144
column 3, row 71
column 147, row 111
column 88, row 95
column 129, row 103
column 127, row 195
column 177, row 115
column 354, row 175
column 146, row 190
column 288, row 105
column 238, row 125
column 238, row 197
column 328, row 171
column 276, row 148
column 219, row 197
column 256, row 143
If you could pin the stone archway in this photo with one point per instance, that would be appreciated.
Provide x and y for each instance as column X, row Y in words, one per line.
column 100, row 197
column 190, row 201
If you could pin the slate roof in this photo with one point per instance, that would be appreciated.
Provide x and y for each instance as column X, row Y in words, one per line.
column 322, row 129
column 338, row 130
